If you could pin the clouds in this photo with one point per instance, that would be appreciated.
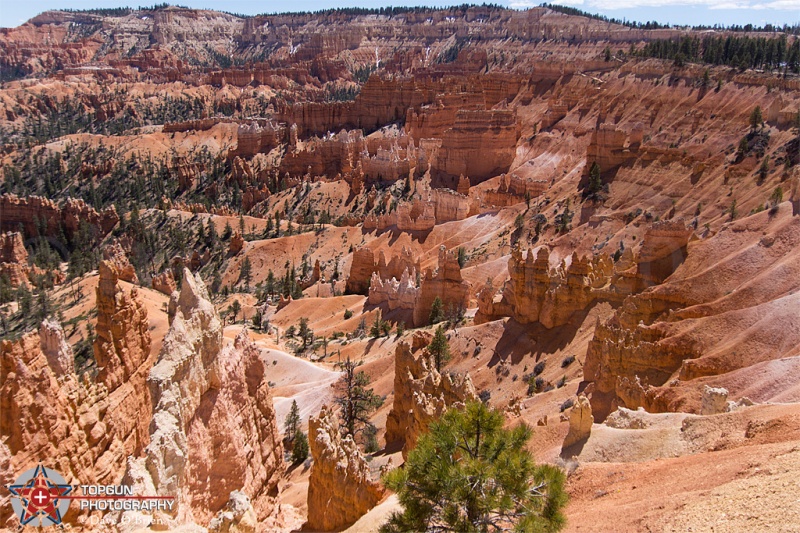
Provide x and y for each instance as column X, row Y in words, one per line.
column 610, row 5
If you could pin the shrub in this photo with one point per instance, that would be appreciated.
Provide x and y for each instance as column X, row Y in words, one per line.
column 485, row 396
column 567, row 404
column 568, row 360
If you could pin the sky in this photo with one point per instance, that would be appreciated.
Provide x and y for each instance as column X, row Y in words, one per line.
column 692, row 12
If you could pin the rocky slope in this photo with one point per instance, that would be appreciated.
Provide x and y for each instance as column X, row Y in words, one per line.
column 619, row 233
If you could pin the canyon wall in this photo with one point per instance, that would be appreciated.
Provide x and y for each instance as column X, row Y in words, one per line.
column 659, row 344
column 34, row 213
column 340, row 488
column 87, row 428
column 537, row 292
column 421, row 395
column 213, row 417
column 364, row 266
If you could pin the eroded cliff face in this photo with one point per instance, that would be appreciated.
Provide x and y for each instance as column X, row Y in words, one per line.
column 665, row 344
column 340, row 489
column 16, row 212
column 425, row 210
column 214, row 429
column 401, row 292
column 538, row 292
column 363, row 266
column 421, row 394
column 446, row 284
column 123, row 341
column 14, row 259
column 86, row 428
column 396, row 294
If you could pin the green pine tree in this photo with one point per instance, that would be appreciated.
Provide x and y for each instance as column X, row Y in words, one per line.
column 291, row 424
column 300, row 448
column 469, row 474
column 245, row 274
column 439, row 348
column 437, row 311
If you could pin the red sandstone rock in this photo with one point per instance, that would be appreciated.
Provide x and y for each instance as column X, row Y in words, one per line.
column 16, row 212
column 123, row 339
column 85, row 430
column 340, row 489
column 213, row 416
column 446, row 284
column 115, row 254
column 165, row 283
column 236, row 244
column 421, row 395
column 14, row 259
column 538, row 293
column 364, row 265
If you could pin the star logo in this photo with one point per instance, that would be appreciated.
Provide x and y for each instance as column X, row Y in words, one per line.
column 40, row 495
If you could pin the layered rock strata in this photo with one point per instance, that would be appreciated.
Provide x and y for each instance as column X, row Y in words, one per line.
column 14, row 259
column 421, row 395
column 122, row 343
column 340, row 488
column 446, row 284
column 363, row 266
column 214, row 429
column 86, row 429
column 537, row 292
column 29, row 211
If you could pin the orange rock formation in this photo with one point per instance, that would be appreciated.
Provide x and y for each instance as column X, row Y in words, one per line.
column 422, row 394
column 340, row 489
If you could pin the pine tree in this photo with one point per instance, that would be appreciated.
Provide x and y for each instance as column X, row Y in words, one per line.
column 469, row 474
column 24, row 301
column 245, row 274
column 269, row 286
column 291, row 424
column 234, row 308
column 375, row 330
column 305, row 333
column 437, row 311
column 763, row 170
column 213, row 238
column 439, row 348
column 756, row 118
column 300, row 448
column 595, row 186
column 357, row 402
